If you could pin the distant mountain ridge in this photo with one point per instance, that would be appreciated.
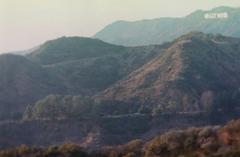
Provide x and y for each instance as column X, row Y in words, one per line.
column 157, row 31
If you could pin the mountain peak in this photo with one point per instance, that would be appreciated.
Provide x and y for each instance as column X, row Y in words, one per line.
column 72, row 40
column 69, row 48
column 216, row 38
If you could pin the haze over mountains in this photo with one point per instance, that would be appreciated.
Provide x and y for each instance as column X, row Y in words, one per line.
column 157, row 31
column 93, row 93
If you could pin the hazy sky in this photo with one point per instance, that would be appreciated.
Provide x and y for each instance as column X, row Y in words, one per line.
column 27, row 23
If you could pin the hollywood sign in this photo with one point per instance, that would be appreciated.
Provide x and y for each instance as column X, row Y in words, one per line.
column 216, row 15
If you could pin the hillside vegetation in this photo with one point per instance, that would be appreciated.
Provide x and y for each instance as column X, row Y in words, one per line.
column 193, row 142
column 198, row 72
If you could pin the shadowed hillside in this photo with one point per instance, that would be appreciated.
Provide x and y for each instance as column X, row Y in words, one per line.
column 23, row 82
column 74, row 65
column 86, row 66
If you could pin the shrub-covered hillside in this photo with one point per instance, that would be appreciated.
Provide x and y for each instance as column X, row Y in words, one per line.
column 194, row 142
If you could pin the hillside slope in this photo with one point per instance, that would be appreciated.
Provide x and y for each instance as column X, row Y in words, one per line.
column 86, row 66
column 198, row 72
column 66, row 66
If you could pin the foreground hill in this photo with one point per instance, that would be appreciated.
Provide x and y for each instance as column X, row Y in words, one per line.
column 194, row 142
column 198, row 72
column 209, row 141
column 157, row 31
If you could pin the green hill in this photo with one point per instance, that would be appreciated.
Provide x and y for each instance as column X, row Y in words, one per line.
column 198, row 72
column 68, row 65
column 86, row 66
